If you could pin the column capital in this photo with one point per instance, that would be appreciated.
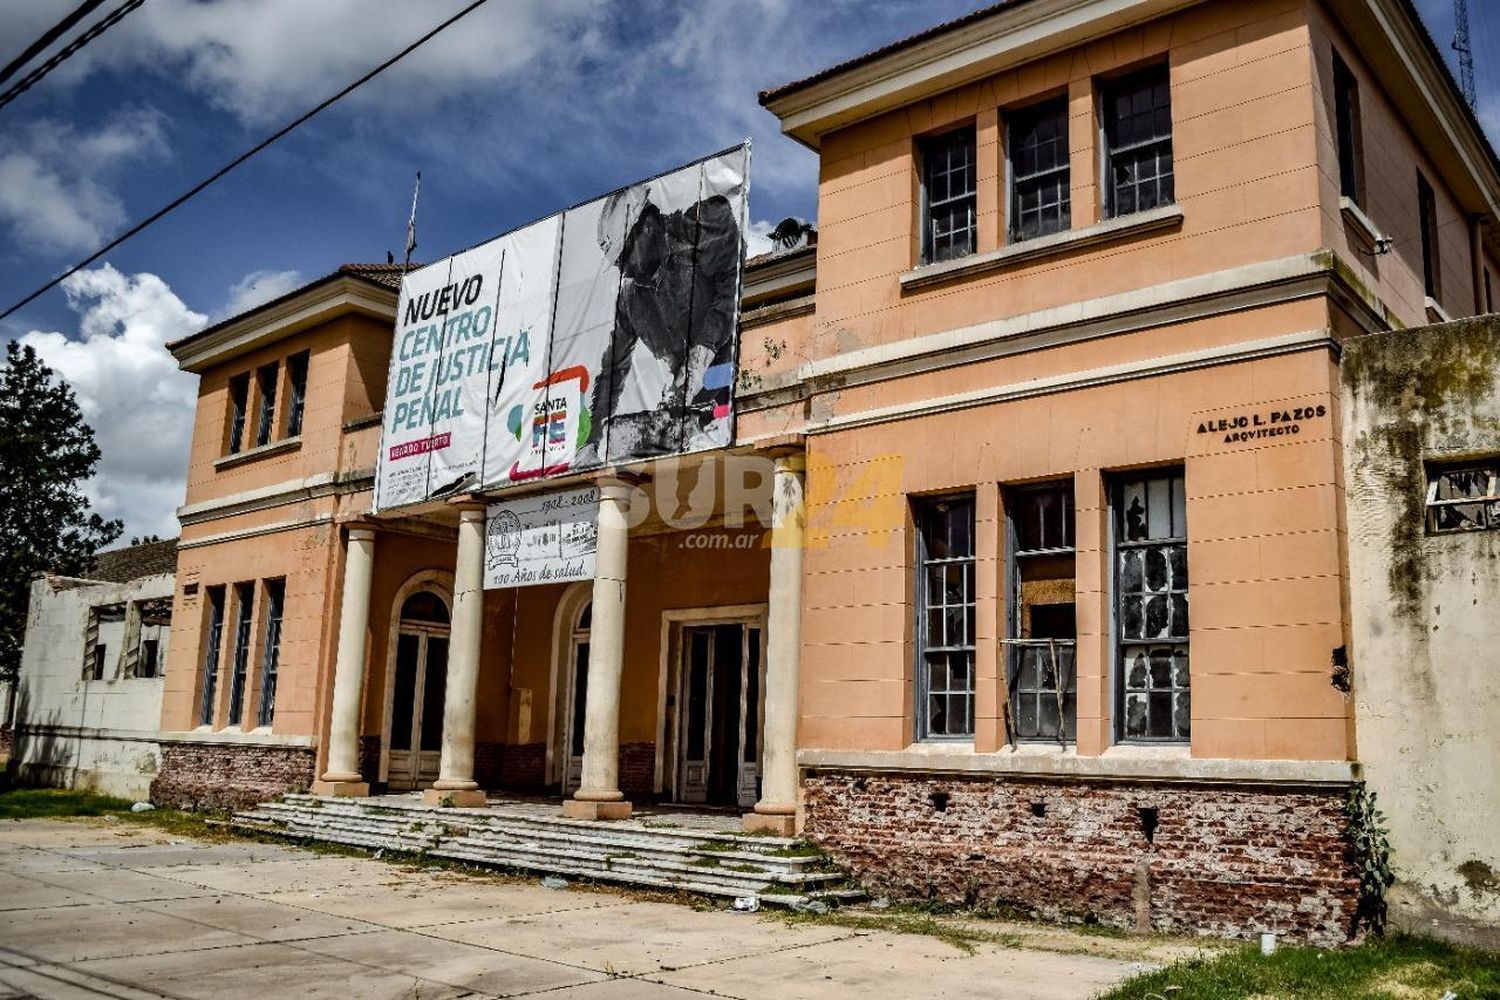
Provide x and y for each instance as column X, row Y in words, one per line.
column 361, row 533
column 471, row 514
column 467, row 502
column 791, row 461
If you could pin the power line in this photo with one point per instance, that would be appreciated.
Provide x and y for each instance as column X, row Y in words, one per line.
column 278, row 134
column 67, row 51
column 52, row 34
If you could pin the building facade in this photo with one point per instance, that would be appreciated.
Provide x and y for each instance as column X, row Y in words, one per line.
column 1026, row 577
column 87, row 698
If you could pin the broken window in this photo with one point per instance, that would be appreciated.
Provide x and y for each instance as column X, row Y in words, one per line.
column 948, row 195
column 945, row 617
column 244, row 598
column 1151, row 588
column 153, row 623
column 265, row 386
column 1039, row 168
column 1041, row 666
column 105, row 631
column 1138, row 137
column 1463, row 498
column 239, row 400
column 214, row 637
column 275, row 598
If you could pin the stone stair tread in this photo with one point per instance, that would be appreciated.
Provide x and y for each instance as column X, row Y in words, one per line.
column 759, row 875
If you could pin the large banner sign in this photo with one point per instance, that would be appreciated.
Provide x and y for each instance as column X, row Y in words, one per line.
column 544, row 538
column 604, row 334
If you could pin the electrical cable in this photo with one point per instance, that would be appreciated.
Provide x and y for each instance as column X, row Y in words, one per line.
column 67, row 51
column 258, row 147
column 52, row 34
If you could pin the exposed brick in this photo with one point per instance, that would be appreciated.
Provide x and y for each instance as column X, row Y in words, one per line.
column 369, row 759
column 638, row 771
column 1226, row 861
column 523, row 768
column 228, row 776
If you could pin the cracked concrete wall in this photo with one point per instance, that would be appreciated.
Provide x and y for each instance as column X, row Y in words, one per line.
column 83, row 733
column 1426, row 644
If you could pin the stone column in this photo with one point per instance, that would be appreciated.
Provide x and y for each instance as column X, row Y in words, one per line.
column 599, row 795
column 456, row 785
column 776, row 812
column 342, row 776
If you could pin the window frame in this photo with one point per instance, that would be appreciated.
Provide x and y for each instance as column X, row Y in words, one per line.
column 270, row 660
column 1489, row 503
column 921, row 509
column 266, row 377
column 244, row 601
column 296, row 395
column 1120, row 644
column 1427, row 224
column 927, row 147
column 213, row 651
column 1348, row 131
column 1033, row 114
column 1015, row 646
column 1109, row 151
column 239, row 413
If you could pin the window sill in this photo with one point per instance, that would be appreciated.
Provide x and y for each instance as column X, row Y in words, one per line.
column 1362, row 224
column 259, row 452
column 1435, row 311
column 1125, row 227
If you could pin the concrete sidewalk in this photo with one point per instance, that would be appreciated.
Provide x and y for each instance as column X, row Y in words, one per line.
column 98, row 909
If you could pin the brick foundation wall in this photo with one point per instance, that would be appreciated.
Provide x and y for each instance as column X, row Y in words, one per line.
column 638, row 771
column 369, row 759
column 228, row 776
column 523, row 768
column 1230, row 861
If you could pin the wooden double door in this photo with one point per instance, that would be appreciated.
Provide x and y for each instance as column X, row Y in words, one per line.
column 420, row 686
column 719, row 744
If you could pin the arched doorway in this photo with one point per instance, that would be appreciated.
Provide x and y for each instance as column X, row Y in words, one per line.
column 419, row 678
column 577, row 664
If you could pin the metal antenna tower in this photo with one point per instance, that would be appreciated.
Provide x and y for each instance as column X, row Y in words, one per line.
column 1465, row 52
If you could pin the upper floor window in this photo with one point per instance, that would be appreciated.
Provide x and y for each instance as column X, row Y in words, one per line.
column 103, row 639
column 239, row 400
column 296, row 377
column 1041, row 670
column 1151, row 591
column 1138, row 142
column 945, row 617
column 948, row 196
column 265, row 391
column 1346, row 121
column 1464, row 497
column 1038, row 143
column 1427, row 219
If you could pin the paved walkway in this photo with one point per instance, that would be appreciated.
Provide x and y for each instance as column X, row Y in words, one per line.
column 92, row 909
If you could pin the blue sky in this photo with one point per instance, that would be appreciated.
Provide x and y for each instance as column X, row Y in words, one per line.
column 523, row 108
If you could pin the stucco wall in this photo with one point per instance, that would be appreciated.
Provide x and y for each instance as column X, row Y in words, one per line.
column 1425, row 653
column 85, row 733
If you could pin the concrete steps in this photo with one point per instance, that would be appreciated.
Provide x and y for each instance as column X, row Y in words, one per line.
column 776, row 870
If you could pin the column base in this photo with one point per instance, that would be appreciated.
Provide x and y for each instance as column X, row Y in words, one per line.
column 341, row 789
column 775, row 825
column 588, row 809
column 455, row 798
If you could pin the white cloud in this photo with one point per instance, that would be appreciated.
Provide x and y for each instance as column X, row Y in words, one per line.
column 257, row 288
column 130, row 390
column 54, row 194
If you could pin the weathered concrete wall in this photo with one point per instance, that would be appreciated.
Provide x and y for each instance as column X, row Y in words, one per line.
column 1426, row 651
column 84, row 733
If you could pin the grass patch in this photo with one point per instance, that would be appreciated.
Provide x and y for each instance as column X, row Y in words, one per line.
column 909, row 920
column 1394, row 968
column 57, row 803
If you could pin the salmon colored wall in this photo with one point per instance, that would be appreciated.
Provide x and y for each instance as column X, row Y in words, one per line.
column 1392, row 158
column 1266, row 579
column 1245, row 162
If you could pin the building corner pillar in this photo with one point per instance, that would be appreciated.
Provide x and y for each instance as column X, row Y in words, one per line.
column 776, row 812
column 342, row 776
column 455, row 785
column 599, row 795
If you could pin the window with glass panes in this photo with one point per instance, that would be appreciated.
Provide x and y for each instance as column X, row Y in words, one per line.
column 296, row 376
column 1464, row 498
column 265, row 390
column 1348, row 131
column 1151, row 593
column 1038, row 145
column 270, row 660
column 244, row 598
column 948, row 196
column 1042, row 675
column 239, row 398
column 1427, row 219
column 214, row 639
column 1138, row 139
column 945, row 622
